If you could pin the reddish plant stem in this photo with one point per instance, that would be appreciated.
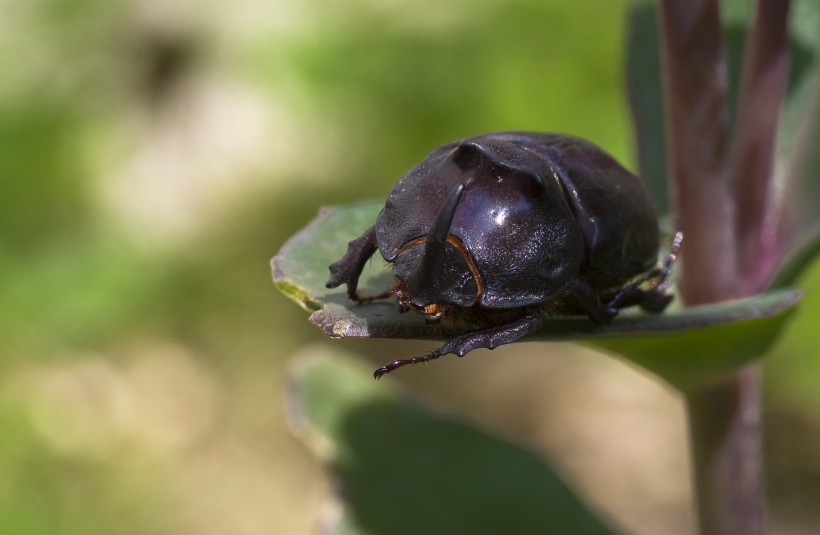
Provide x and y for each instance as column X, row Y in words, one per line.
column 721, row 204
column 695, row 88
column 762, row 93
column 727, row 457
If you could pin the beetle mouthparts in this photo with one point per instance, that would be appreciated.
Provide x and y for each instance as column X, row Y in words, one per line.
column 433, row 311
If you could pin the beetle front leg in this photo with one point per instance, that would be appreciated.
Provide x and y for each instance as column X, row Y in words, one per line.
column 460, row 345
column 347, row 269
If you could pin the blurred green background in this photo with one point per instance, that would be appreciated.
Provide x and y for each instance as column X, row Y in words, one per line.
column 155, row 155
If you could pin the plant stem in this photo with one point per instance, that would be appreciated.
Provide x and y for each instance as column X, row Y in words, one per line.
column 724, row 427
column 762, row 93
column 723, row 203
column 695, row 87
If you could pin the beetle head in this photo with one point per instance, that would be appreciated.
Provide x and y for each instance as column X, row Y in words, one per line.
column 435, row 271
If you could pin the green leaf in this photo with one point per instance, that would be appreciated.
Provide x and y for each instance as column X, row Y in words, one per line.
column 643, row 76
column 692, row 358
column 794, row 265
column 684, row 346
column 404, row 470
column 300, row 269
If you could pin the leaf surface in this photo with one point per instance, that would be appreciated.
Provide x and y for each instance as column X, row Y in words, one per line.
column 684, row 346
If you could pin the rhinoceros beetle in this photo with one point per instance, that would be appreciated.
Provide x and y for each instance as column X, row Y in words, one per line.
column 501, row 230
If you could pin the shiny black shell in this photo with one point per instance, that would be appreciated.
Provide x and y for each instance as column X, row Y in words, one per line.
column 537, row 210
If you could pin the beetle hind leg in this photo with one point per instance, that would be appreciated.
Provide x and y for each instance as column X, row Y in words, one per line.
column 589, row 301
column 348, row 269
column 488, row 338
column 655, row 299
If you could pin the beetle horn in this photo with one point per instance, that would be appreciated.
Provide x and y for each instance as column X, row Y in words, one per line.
column 437, row 237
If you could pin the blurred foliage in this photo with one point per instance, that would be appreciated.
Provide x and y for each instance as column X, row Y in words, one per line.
column 155, row 155
column 463, row 480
